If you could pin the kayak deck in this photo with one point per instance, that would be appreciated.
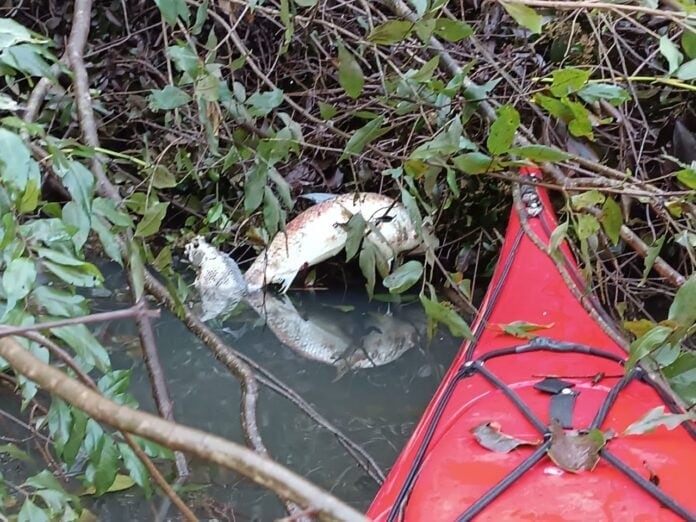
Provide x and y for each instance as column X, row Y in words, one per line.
column 443, row 473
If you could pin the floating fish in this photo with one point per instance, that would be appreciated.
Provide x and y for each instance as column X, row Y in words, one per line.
column 318, row 234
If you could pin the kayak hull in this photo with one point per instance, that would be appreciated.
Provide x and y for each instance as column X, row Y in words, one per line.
column 443, row 473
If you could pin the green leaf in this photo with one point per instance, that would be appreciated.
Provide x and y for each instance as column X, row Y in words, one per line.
column 646, row 344
column 173, row 9
column 687, row 71
column 12, row 33
column 523, row 329
column 72, row 445
column 651, row 256
column 85, row 345
column 306, row 3
column 254, row 183
column 655, row 418
column 558, row 236
column 424, row 29
column 79, row 181
column 367, row 262
column 163, row 178
column 47, row 231
column 682, row 376
column 350, row 75
column 137, row 268
column 78, row 222
column 77, row 276
column 63, row 258
column 580, row 125
column 444, row 144
column 688, row 42
column 425, row 73
column 184, row 59
column 30, row 198
column 136, row 469
column 421, row 6
column 687, row 177
column 17, row 166
column 362, row 137
column 107, row 208
column 503, row 130
column 611, row 220
column 271, row 211
column 14, row 452
column 391, row 32
column 108, row 240
column 567, row 81
column 17, row 280
column 355, row 232
column 151, row 220
column 587, row 199
column 525, row 16
column 452, row 30
column 671, row 52
column 683, row 308
column 539, row 153
column 263, row 103
column 439, row 313
column 103, row 465
column 327, row 111
column 167, row 99
column 554, row 107
column 475, row 163
column 28, row 58
column 603, row 91
column 30, row 512
column 586, row 226
column 404, row 277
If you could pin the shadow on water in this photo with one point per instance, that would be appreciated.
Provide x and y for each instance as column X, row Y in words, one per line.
column 376, row 407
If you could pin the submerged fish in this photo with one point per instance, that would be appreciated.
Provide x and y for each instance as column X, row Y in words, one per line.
column 318, row 234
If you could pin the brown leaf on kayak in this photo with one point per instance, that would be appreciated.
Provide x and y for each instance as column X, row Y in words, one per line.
column 490, row 437
column 575, row 452
column 523, row 329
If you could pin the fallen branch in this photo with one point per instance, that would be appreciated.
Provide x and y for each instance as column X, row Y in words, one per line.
column 197, row 443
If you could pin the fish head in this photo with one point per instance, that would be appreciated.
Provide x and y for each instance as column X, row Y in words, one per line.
column 197, row 249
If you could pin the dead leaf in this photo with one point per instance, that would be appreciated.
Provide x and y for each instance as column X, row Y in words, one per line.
column 575, row 452
column 523, row 329
column 490, row 437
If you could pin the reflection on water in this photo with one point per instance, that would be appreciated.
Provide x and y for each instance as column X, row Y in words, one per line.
column 377, row 407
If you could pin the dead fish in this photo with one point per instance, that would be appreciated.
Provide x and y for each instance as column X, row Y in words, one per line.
column 317, row 234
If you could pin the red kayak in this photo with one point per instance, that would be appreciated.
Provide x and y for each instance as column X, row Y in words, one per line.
column 573, row 375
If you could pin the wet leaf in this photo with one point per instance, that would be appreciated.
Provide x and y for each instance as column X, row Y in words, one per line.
column 475, row 163
column 17, row 280
column 612, row 220
column 151, row 220
column 567, row 81
column 167, row 99
column 687, row 177
column 503, row 130
column 651, row 256
column 671, row 52
column 362, row 137
column 173, row 9
column 539, row 153
column 525, row 16
column 655, row 418
column 646, row 344
column 391, row 32
column 350, row 75
column 262, row 103
column 404, row 277
column 575, row 452
column 452, row 30
column 523, row 329
column 440, row 313
column 490, row 437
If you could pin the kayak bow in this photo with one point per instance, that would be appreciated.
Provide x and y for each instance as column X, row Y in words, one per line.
column 574, row 375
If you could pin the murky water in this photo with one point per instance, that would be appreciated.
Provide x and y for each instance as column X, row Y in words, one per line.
column 377, row 407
